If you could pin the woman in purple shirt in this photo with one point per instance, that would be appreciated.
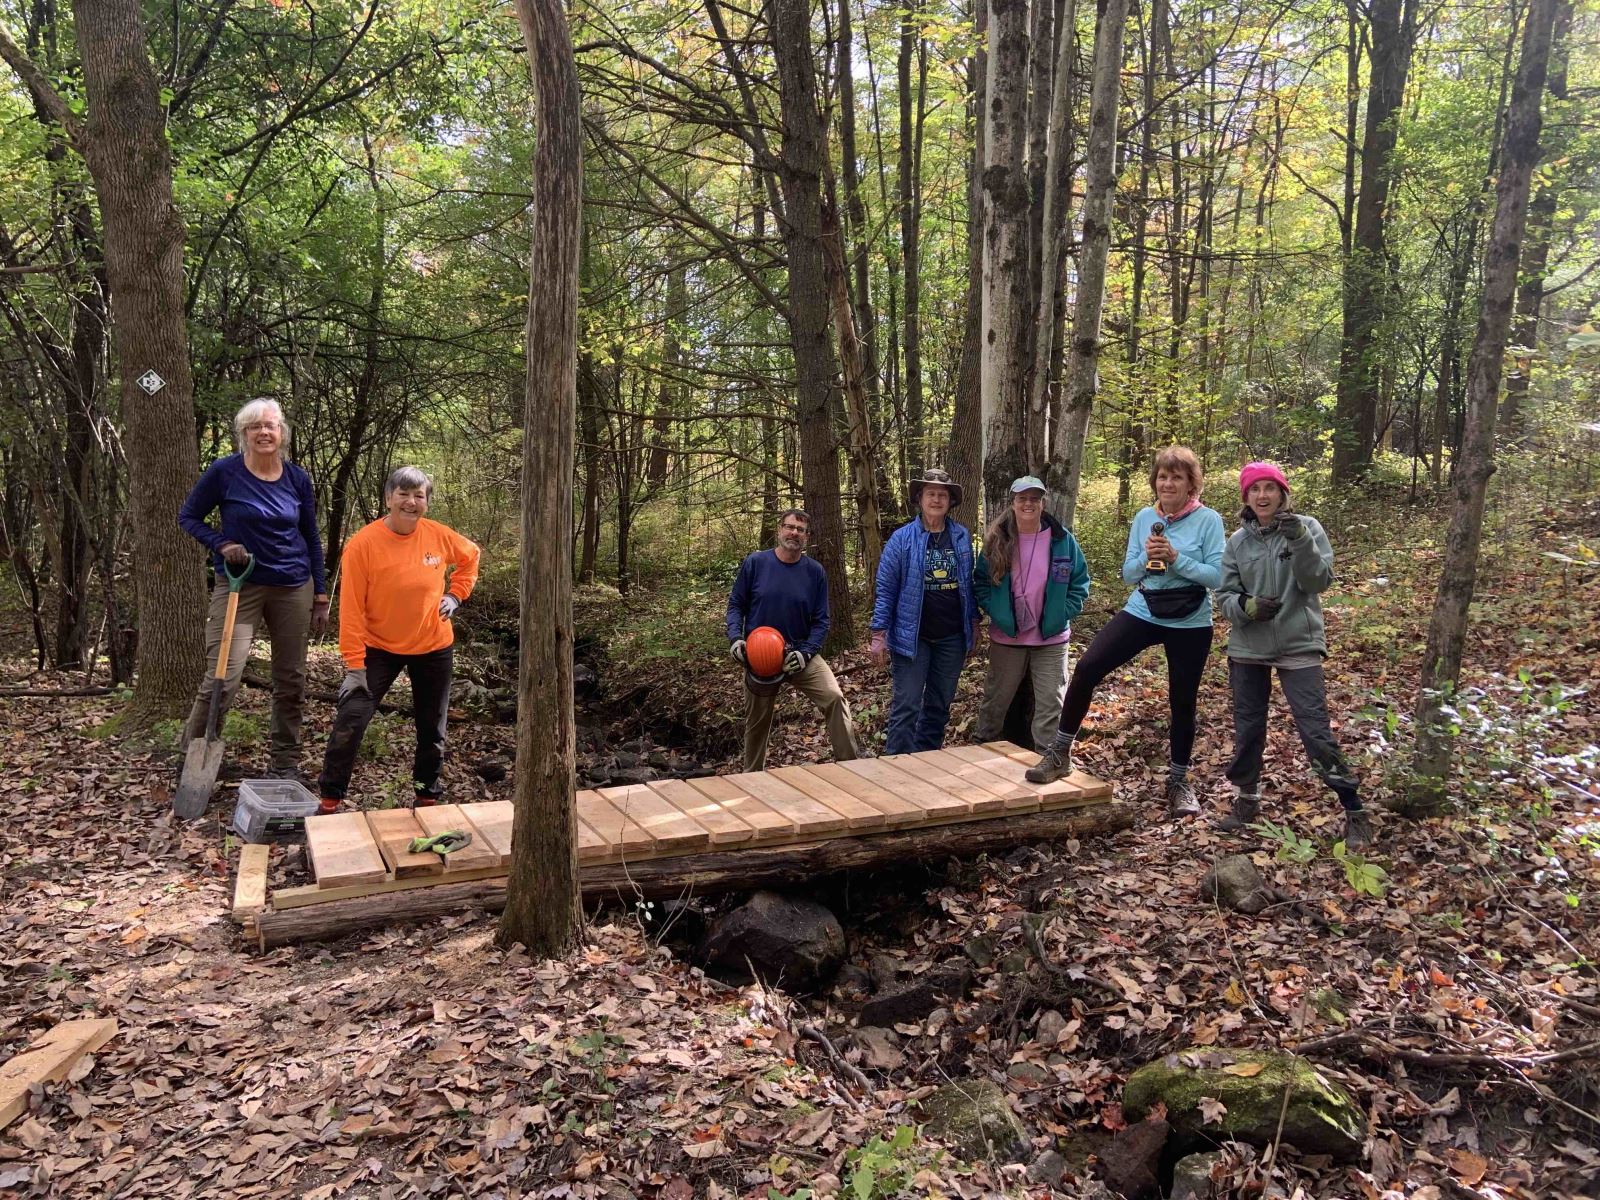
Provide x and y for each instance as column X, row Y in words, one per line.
column 265, row 509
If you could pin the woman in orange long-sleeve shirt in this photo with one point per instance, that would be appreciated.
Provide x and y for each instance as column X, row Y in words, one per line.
column 402, row 579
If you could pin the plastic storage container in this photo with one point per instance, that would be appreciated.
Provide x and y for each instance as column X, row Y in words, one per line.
column 272, row 810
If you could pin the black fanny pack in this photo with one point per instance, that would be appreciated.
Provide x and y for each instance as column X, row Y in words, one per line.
column 1173, row 603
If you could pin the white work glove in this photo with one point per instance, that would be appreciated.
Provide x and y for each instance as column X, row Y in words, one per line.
column 354, row 681
column 737, row 650
column 447, row 606
column 793, row 661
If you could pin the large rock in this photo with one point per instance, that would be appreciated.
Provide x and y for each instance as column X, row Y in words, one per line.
column 791, row 943
column 975, row 1119
column 1321, row 1117
column 1131, row 1164
column 916, row 1000
column 1234, row 882
column 1191, row 1178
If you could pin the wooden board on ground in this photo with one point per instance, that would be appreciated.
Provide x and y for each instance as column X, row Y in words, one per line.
column 812, row 819
column 857, row 813
column 492, row 819
column 299, row 897
column 393, row 829
column 616, row 829
column 896, row 812
column 769, row 826
column 342, row 850
column 250, row 887
column 936, row 804
column 659, row 817
column 48, row 1059
column 1088, row 785
column 1051, row 795
column 724, row 827
column 1015, row 792
column 978, row 799
column 442, row 818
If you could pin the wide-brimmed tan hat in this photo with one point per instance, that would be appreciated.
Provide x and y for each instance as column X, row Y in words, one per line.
column 934, row 475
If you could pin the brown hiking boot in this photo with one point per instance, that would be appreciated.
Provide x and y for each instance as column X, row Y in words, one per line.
column 1358, row 833
column 1181, row 800
column 1053, row 766
column 1246, row 811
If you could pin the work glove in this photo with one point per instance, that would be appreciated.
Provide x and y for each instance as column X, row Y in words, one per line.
column 1262, row 608
column 794, row 661
column 319, row 614
column 448, row 605
column 234, row 554
column 737, row 650
column 1291, row 526
column 353, row 682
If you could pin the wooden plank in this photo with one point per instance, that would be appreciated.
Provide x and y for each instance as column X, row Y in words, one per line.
column 811, row 818
column 343, row 851
column 724, row 827
column 250, row 886
column 621, row 834
column 1015, row 793
column 979, row 800
column 492, row 819
column 49, row 1058
column 1059, row 794
column 857, row 813
column 1088, row 785
column 768, row 825
column 658, row 817
column 591, row 846
column 896, row 812
column 936, row 804
column 393, row 829
column 441, row 818
column 298, row 897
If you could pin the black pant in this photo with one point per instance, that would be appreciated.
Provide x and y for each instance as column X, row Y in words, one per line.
column 430, row 705
column 1306, row 692
column 1123, row 638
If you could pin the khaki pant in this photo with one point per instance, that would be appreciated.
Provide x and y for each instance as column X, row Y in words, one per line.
column 1008, row 667
column 817, row 684
column 284, row 614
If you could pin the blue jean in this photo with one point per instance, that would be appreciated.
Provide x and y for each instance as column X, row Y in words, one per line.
column 924, row 685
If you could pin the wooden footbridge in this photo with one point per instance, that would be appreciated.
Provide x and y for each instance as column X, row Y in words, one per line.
column 679, row 836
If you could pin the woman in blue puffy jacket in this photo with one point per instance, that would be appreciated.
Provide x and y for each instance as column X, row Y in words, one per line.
column 925, row 616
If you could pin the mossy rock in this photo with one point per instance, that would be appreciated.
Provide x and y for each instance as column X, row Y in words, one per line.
column 974, row 1118
column 1321, row 1117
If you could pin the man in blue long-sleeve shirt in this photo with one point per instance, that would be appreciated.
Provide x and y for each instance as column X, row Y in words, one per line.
column 783, row 588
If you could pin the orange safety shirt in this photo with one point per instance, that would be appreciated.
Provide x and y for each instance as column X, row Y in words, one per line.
column 390, row 587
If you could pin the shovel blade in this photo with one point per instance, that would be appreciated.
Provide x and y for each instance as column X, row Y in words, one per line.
column 199, row 779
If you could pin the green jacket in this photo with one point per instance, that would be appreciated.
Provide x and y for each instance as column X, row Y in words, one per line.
column 1065, row 588
column 1269, row 564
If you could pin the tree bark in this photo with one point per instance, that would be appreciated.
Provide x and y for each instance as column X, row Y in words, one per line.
column 543, row 910
column 1441, row 664
column 855, row 207
column 800, row 169
column 910, row 181
column 965, row 457
column 1083, row 363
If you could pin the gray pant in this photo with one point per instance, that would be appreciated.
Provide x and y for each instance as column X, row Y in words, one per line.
column 817, row 684
column 1008, row 667
column 1306, row 693
column 285, row 614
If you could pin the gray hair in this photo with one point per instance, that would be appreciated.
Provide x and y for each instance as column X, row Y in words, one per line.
column 407, row 477
column 255, row 410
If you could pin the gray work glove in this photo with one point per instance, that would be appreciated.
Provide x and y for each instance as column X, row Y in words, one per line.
column 737, row 650
column 1291, row 526
column 353, row 682
column 448, row 605
column 1262, row 608
column 794, row 661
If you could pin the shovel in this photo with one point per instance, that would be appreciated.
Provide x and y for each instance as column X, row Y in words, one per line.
column 204, row 756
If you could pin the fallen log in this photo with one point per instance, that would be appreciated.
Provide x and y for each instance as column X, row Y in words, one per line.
column 702, row 874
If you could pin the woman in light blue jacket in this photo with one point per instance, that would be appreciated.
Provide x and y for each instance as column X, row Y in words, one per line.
column 924, row 615
column 1175, row 556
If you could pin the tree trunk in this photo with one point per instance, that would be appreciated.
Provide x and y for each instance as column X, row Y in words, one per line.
column 1367, row 268
column 671, row 398
column 800, row 168
column 1441, row 664
column 1083, row 363
column 543, row 910
column 125, row 147
column 965, row 459
column 855, row 207
column 911, row 232
column 589, row 419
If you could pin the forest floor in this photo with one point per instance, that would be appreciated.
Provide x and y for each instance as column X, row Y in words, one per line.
column 1456, row 994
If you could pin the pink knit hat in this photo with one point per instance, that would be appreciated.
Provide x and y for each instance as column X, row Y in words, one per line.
column 1258, row 471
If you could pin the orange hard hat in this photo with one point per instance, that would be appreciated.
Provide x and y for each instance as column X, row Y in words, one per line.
column 764, row 648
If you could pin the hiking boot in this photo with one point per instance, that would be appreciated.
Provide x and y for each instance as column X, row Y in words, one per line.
column 1246, row 810
column 288, row 773
column 1053, row 766
column 422, row 801
column 327, row 805
column 1357, row 829
column 1181, row 800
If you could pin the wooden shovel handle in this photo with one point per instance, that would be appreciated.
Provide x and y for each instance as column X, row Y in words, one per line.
column 227, row 636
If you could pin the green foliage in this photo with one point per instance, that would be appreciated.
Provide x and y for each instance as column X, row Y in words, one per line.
column 1365, row 877
column 881, row 1168
column 1292, row 848
column 242, row 730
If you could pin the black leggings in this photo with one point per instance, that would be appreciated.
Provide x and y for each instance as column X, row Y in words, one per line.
column 1124, row 637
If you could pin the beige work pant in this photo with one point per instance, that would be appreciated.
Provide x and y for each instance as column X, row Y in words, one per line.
column 817, row 684
column 284, row 614
column 1008, row 667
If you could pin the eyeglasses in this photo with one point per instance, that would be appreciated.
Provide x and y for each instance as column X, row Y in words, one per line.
column 795, row 529
column 259, row 426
